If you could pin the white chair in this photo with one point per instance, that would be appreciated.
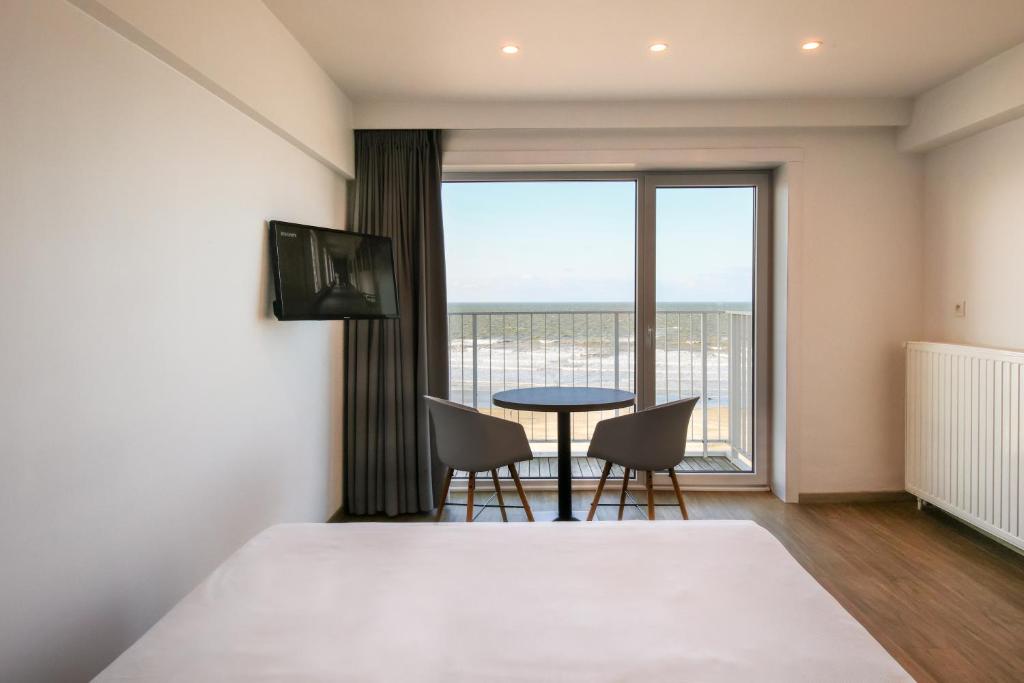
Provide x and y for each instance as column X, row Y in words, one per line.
column 467, row 440
column 649, row 440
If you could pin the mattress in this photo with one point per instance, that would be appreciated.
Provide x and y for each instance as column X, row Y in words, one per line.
column 604, row 601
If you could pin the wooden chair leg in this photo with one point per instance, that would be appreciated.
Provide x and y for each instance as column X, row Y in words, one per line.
column 497, row 491
column 650, row 495
column 600, row 489
column 679, row 492
column 622, row 498
column 444, row 493
column 469, row 496
column 522, row 494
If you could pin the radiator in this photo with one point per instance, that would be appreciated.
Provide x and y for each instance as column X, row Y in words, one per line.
column 965, row 412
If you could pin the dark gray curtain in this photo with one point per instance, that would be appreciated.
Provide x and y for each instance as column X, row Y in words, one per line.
column 391, row 364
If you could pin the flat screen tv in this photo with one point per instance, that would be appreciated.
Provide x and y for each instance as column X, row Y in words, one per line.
column 322, row 274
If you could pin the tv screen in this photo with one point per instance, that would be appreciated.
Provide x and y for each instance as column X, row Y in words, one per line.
column 322, row 274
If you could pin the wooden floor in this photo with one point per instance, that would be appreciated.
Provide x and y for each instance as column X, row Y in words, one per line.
column 944, row 600
column 590, row 468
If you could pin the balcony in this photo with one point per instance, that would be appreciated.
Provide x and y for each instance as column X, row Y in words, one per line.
column 706, row 352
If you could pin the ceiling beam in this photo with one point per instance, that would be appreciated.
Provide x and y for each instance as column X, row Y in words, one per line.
column 986, row 96
column 775, row 113
column 240, row 52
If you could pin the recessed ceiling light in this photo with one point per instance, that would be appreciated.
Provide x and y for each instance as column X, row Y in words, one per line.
column 510, row 49
column 811, row 45
column 658, row 47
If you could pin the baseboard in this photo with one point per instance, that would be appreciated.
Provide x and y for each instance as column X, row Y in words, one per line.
column 856, row 497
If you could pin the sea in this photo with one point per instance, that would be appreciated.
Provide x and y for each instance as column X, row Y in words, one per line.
column 495, row 346
column 590, row 306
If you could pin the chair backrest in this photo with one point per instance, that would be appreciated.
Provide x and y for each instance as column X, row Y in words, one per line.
column 652, row 439
column 468, row 440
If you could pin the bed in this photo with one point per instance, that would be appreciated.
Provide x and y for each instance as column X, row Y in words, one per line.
column 605, row 601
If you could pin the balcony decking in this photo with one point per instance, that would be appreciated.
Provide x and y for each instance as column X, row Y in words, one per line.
column 546, row 467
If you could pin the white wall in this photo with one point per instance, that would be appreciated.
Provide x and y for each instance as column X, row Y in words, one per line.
column 153, row 415
column 855, row 276
column 975, row 239
column 860, row 296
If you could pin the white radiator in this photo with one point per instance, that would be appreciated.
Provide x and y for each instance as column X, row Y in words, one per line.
column 965, row 413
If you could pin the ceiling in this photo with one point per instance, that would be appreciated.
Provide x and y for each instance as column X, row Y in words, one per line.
column 597, row 49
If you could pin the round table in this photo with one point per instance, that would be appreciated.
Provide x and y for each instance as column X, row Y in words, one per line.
column 564, row 400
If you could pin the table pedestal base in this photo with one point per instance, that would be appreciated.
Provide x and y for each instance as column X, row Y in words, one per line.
column 555, row 516
column 565, row 469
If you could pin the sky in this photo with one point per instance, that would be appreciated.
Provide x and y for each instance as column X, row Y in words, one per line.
column 562, row 241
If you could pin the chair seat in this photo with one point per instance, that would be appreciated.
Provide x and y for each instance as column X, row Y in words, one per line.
column 614, row 458
column 497, row 463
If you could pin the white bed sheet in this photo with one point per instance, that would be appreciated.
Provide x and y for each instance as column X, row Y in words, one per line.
column 606, row 601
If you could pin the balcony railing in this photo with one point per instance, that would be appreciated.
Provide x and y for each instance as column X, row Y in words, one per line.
column 697, row 352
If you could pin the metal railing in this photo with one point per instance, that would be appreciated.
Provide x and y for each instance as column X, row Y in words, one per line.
column 697, row 352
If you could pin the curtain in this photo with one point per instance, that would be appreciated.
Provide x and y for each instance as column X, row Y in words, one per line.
column 391, row 364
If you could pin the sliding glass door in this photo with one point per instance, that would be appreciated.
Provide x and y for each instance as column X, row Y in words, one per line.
column 703, row 284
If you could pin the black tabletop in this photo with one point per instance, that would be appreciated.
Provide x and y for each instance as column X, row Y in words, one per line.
column 563, row 399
